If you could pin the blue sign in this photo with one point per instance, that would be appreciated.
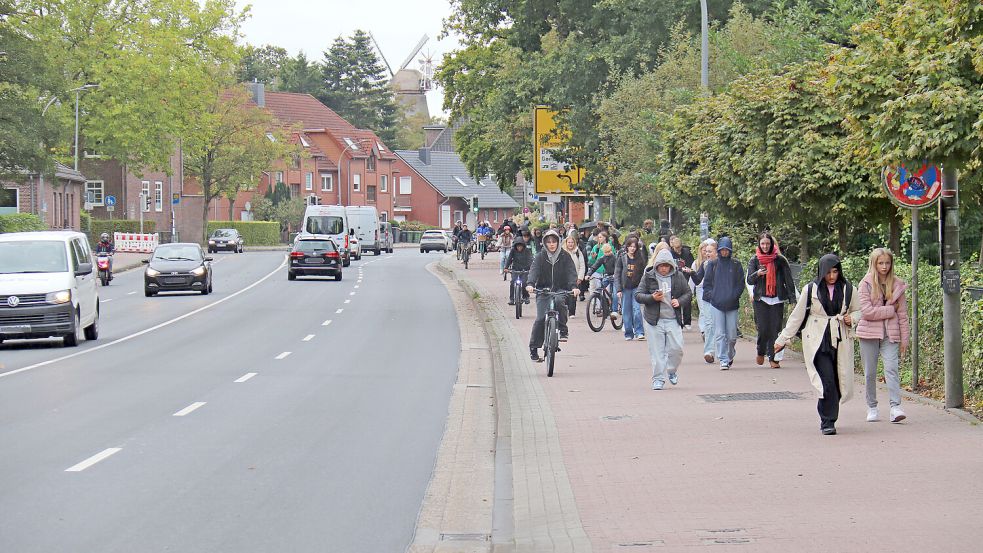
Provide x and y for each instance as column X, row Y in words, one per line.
column 110, row 200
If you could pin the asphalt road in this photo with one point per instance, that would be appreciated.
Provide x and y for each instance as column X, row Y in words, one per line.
column 240, row 421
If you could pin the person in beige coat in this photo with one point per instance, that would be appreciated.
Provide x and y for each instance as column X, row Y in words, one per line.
column 827, row 337
column 571, row 246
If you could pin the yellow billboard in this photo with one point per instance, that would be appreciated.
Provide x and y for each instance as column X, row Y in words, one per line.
column 551, row 176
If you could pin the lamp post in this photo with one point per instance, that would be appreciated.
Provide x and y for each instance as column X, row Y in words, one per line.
column 351, row 146
column 64, row 194
column 704, row 47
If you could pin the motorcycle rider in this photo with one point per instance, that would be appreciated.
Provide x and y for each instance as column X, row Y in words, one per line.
column 556, row 271
column 106, row 245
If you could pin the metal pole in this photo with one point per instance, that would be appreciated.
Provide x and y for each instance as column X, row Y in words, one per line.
column 914, row 299
column 704, row 47
column 77, row 129
column 951, row 308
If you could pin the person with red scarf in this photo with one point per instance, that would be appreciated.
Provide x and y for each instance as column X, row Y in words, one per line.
column 770, row 275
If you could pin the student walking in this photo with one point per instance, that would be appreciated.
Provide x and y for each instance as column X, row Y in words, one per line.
column 684, row 261
column 662, row 291
column 707, row 252
column 770, row 275
column 883, row 330
column 723, row 285
column 826, row 317
column 628, row 270
column 571, row 246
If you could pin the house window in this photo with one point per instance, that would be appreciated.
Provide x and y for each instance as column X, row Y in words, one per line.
column 9, row 201
column 94, row 190
column 384, row 216
column 405, row 185
column 370, row 193
column 458, row 216
column 495, row 215
column 309, row 181
column 384, row 183
column 357, row 182
column 145, row 207
column 370, row 164
column 327, row 184
column 279, row 177
column 158, row 196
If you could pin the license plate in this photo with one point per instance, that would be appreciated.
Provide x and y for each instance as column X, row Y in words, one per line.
column 315, row 261
column 15, row 329
column 174, row 280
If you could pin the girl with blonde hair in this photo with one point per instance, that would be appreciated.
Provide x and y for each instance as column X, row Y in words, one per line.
column 706, row 252
column 883, row 330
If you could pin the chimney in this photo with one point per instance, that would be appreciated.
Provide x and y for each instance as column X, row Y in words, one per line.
column 433, row 133
column 425, row 155
column 259, row 93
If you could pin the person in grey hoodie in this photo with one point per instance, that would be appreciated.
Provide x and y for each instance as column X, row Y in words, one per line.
column 662, row 292
column 723, row 285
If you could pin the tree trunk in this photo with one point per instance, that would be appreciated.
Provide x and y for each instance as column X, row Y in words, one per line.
column 804, row 242
column 894, row 241
column 844, row 239
column 204, row 220
column 232, row 207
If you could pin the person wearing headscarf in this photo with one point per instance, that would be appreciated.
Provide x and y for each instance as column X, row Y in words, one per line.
column 554, row 270
column 770, row 275
column 827, row 319
column 723, row 286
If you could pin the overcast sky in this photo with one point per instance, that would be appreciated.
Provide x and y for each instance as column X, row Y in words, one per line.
column 312, row 26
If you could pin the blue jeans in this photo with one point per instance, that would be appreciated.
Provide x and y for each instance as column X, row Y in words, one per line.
column 631, row 312
column 665, row 343
column 725, row 330
column 502, row 255
column 706, row 326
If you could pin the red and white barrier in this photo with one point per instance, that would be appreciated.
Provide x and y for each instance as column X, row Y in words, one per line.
column 135, row 242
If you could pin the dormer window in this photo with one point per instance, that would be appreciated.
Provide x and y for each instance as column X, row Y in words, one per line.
column 370, row 163
column 304, row 142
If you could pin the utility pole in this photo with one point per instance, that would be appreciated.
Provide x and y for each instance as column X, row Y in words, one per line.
column 951, row 308
column 704, row 47
column 914, row 299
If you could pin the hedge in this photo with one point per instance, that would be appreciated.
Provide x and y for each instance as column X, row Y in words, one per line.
column 21, row 222
column 255, row 233
column 99, row 226
column 410, row 226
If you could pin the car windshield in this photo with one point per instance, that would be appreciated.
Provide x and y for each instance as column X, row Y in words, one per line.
column 308, row 246
column 33, row 256
column 325, row 224
column 223, row 233
column 178, row 253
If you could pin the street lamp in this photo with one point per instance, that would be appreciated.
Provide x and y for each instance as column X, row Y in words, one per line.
column 352, row 145
column 77, row 92
column 704, row 47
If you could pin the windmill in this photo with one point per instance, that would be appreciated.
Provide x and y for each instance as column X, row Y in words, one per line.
column 411, row 85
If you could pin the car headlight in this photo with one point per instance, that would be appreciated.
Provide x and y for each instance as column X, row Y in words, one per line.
column 211, row 241
column 198, row 271
column 152, row 272
column 61, row 296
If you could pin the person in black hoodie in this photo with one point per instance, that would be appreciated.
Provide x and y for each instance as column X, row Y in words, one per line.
column 519, row 259
column 723, row 285
column 554, row 270
column 684, row 263
column 771, row 276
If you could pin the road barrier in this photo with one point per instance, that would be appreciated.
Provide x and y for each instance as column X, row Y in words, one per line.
column 135, row 242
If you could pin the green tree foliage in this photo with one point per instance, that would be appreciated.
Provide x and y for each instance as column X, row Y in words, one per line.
column 300, row 75
column 264, row 64
column 355, row 86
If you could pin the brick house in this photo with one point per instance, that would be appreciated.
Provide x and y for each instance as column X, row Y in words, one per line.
column 57, row 201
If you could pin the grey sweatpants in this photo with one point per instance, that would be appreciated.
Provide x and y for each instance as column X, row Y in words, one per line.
column 888, row 351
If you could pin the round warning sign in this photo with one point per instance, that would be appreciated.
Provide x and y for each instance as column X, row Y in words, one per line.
column 913, row 186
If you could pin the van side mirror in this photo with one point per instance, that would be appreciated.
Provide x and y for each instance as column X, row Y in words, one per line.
column 84, row 269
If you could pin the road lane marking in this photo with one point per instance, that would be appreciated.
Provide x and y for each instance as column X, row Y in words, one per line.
column 146, row 330
column 308, row 338
column 245, row 377
column 356, row 286
column 339, row 311
column 283, row 355
column 107, row 301
column 101, row 456
column 189, row 409
column 351, row 293
column 348, row 301
column 326, row 323
column 130, row 293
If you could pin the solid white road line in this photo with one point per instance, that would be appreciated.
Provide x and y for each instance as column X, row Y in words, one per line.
column 283, row 355
column 146, row 330
column 308, row 338
column 102, row 455
column 189, row 409
column 339, row 311
column 326, row 323
column 245, row 377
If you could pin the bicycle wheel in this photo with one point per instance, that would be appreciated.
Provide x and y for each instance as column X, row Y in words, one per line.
column 552, row 340
column 467, row 256
column 595, row 313
column 615, row 322
column 517, row 294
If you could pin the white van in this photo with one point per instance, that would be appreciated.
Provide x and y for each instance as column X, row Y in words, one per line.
column 47, row 287
column 332, row 221
column 365, row 221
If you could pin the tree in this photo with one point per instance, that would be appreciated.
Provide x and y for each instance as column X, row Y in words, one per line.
column 232, row 143
column 355, row 86
column 264, row 64
column 300, row 75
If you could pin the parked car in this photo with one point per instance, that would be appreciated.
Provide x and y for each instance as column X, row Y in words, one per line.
column 365, row 221
column 314, row 255
column 331, row 220
column 225, row 239
column 386, row 236
column 48, row 287
column 355, row 247
column 177, row 267
column 435, row 240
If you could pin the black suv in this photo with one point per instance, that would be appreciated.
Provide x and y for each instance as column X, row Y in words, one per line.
column 315, row 256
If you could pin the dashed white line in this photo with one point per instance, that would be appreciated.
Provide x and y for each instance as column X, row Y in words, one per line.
column 348, row 301
column 356, row 286
column 326, row 323
column 130, row 293
column 339, row 311
column 283, row 355
column 244, row 378
column 189, row 408
column 107, row 301
column 101, row 456
column 308, row 338
column 351, row 293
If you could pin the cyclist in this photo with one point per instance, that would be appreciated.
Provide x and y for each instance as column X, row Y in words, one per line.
column 601, row 273
column 456, row 232
column 484, row 233
column 106, row 245
column 554, row 270
column 464, row 237
column 520, row 259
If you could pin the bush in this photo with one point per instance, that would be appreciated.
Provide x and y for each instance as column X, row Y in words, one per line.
column 255, row 233
column 21, row 222
column 99, row 226
column 411, row 226
column 86, row 219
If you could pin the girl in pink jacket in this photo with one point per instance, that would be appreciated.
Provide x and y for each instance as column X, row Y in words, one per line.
column 883, row 330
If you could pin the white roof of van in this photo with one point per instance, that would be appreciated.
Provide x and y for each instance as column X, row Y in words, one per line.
column 39, row 235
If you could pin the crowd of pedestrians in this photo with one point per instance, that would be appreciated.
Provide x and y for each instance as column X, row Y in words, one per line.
column 653, row 287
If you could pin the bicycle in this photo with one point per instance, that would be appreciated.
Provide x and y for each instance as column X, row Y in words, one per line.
column 518, row 292
column 551, row 337
column 599, row 307
column 466, row 254
column 482, row 247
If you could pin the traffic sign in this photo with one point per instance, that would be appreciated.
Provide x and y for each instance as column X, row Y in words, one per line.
column 110, row 208
column 110, row 201
column 549, row 174
column 176, row 199
column 915, row 186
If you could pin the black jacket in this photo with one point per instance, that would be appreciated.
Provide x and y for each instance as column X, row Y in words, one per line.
column 651, row 309
column 621, row 272
column 561, row 275
column 723, row 283
column 519, row 260
column 785, row 285
column 686, row 254
column 609, row 263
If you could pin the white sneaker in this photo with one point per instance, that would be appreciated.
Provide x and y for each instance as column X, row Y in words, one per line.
column 872, row 414
column 897, row 415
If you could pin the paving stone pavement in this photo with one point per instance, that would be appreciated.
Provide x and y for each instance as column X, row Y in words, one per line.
column 597, row 452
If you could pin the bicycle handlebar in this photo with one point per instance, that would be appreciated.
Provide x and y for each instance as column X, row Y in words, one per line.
column 548, row 292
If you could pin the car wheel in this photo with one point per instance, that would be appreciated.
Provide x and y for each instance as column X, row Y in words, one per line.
column 73, row 339
column 92, row 331
column 291, row 275
column 206, row 290
column 422, row 250
column 148, row 293
column 337, row 277
column 210, row 289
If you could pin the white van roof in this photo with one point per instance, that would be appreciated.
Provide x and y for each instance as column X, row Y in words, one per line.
column 40, row 235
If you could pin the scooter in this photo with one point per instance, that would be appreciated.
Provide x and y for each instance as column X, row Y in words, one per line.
column 103, row 263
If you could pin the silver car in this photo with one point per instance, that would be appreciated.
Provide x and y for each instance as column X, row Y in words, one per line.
column 435, row 240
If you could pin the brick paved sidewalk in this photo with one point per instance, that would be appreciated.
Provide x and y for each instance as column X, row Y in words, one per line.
column 669, row 470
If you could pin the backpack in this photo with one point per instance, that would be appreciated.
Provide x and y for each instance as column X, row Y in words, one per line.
column 848, row 297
